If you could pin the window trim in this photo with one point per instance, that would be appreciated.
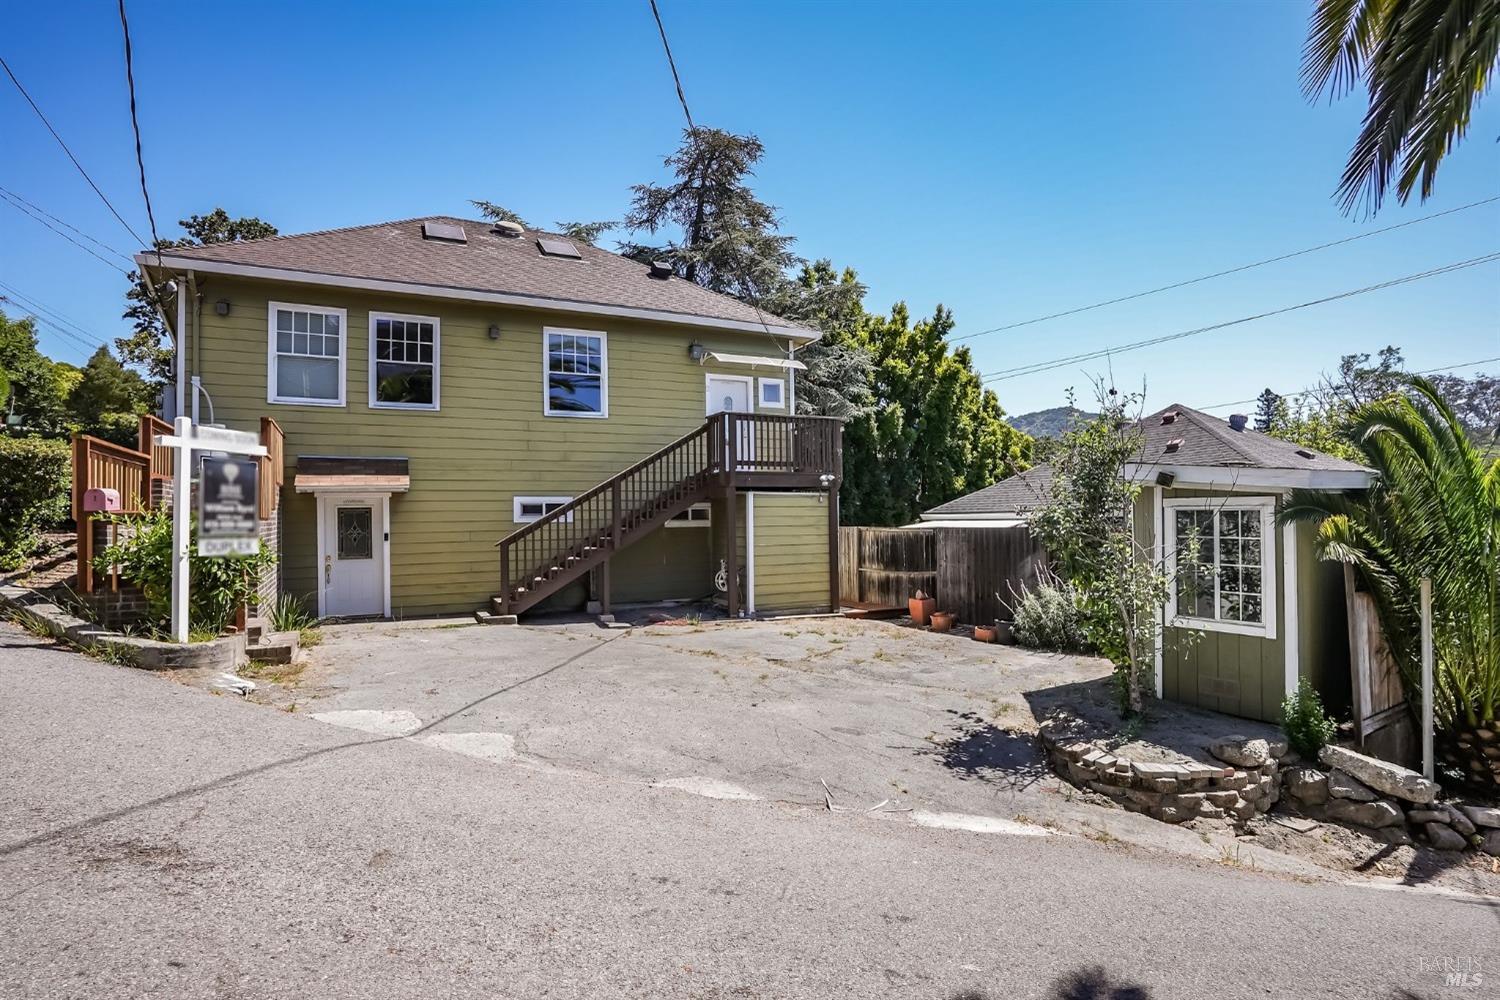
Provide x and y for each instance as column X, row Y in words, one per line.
column 689, row 522
column 761, row 393
column 518, row 518
column 272, row 354
column 1270, row 542
column 437, row 357
column 547, row 411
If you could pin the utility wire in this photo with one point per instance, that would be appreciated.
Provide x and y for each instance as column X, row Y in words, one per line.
column 1045, row 366
column 110, row 205
column 37, row 315
column 41, row 311
column 66, row 225
column 1314, row 392
column 1220, row 274
column 140, row 160
column 99, row 257
column 681, row 97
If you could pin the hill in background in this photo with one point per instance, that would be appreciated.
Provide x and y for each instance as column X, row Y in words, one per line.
column 1049, row 423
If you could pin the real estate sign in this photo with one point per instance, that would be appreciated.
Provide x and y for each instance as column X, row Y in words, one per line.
column 228, row 510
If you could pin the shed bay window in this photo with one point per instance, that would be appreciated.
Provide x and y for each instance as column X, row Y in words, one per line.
column 306, row 354
column 404, row 354
column 575, row 373
column 1222, row 557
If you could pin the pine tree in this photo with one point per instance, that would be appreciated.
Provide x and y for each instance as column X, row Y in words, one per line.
column 1266, row 405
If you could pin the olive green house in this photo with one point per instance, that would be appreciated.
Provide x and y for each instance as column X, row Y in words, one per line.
column 479, row 416
column 1251, row 611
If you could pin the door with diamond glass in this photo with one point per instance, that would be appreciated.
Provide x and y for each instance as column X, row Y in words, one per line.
column 352, row 563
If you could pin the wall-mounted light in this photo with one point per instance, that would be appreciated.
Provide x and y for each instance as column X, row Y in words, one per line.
column 494, row 332
column 696, row 351
column 222, row 307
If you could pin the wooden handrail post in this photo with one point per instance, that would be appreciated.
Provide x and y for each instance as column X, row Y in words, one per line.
column 505, row 578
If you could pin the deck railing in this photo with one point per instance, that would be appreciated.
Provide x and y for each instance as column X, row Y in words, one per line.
column 100, row 464
column 272, row 466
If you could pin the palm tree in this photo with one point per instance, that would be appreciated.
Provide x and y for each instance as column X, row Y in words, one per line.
column 1434, row 512
column 1425, row 63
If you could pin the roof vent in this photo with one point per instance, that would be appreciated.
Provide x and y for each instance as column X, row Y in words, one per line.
column 551, row 246
column 1173, row 445
column 1305, row 453
column 508, row 229
column 445, row 232
column 1171, row 417
column 661, row 269
column 1237, row 422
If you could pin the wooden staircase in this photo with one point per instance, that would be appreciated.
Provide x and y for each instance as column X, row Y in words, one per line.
column 730, row 449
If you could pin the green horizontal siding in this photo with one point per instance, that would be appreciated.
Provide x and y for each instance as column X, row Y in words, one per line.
column 488, row 443
column 791, row 552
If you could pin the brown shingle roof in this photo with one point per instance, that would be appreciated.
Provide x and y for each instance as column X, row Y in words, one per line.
column 1208, row 441
column 487, row 263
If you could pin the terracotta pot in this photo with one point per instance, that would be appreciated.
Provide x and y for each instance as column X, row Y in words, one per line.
column 942, row 621
column 921, row 608
column 985, row 633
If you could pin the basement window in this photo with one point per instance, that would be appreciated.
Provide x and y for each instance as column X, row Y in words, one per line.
column 699, row 515
column 528, row 509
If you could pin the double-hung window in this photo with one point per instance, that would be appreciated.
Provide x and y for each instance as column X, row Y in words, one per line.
column 404, row 361
column 306, row 354
column 575, row 367
column 1221, row 555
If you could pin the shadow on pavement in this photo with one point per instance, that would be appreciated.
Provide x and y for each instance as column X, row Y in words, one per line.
column 983, row 750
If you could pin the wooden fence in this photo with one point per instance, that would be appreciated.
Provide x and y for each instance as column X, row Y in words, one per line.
column 964, row 568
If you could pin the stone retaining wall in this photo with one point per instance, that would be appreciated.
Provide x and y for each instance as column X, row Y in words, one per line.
column 1170, row 792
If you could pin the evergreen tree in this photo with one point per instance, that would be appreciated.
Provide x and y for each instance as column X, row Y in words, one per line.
column 148, row 349
column 1266, row 405
column 108, row 399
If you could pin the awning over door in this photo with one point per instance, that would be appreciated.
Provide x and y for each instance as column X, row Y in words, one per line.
column 323, row 474
column 755, row 361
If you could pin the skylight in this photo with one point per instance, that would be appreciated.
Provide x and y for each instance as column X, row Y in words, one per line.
column 551, row 246
column 447, row 232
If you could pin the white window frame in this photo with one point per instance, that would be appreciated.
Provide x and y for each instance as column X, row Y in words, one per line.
column 272, row 354
column 437, row 356
column 519, row 518
column 547, row 411
column 691, row 522
column 761, row 393
column 1270, row 539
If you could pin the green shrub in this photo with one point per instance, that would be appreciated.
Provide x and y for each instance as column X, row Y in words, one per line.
column 290, row 615
column 35, row 480
column 218, row 586
column 1308, row 728
column 1047, row 616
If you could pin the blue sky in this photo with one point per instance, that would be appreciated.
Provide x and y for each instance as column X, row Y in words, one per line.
column 1005, row 160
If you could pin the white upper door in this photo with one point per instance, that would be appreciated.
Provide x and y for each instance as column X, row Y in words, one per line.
column 732, row 393
column 353, row 557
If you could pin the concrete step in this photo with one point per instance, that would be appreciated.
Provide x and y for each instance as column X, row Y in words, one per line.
column 274, row 647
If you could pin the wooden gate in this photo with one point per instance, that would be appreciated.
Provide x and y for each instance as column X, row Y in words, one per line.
column 979, row 568
column 1378, row 696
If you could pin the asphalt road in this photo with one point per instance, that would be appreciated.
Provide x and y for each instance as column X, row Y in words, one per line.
column 156, row 840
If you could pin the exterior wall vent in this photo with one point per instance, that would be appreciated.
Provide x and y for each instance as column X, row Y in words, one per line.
column 444, row 232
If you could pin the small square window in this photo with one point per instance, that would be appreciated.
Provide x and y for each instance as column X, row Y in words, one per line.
column 773, row 393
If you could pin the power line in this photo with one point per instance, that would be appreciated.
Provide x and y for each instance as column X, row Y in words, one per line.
column 140, row 160
column 1045, row 366
column 51, row 316
column 1220, row 274
column 681, row 97
column 1314, row 392
column 67, row 225
column 99, row 257
column 110, row 205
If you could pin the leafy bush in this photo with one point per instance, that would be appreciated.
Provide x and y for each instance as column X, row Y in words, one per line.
column 218, row 586
column 1308, row 728
column 34, row 493
column 290, row 615
column 1047, row 616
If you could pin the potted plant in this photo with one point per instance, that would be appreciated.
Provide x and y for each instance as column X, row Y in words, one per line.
column 921, row 607
column 986, row 633
column 942, row 621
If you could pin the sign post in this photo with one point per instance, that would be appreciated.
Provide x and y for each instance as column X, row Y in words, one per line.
column 222, row 502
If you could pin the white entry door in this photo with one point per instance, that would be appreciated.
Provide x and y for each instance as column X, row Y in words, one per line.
column 732, row 393
column 352, row 560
